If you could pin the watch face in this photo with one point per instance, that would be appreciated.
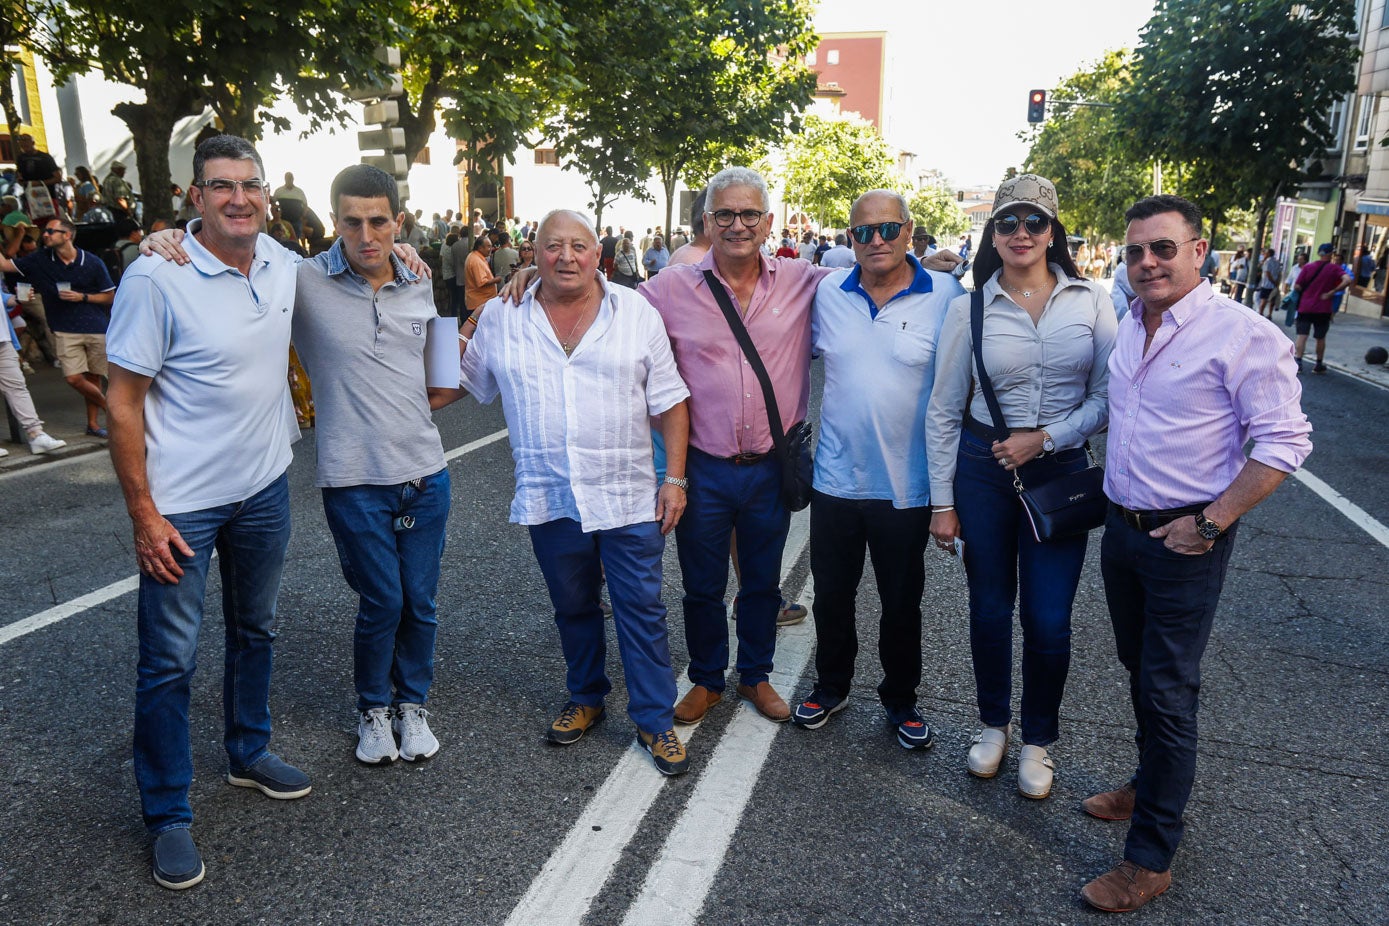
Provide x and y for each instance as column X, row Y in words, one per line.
column 1207, row 528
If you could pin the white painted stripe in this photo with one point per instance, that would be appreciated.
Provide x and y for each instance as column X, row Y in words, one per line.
column 1356, row 374
column 1357, row 515
column 67, row 609
column 116, row 589
column 678, row 883
column 564, row 889
column 475, row 445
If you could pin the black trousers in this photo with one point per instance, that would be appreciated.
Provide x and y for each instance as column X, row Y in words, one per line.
column 1162, row 605
column 841, row 531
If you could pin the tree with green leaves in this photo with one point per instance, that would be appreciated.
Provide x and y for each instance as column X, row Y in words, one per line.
column 236, row 57
column 935, row 210
column 1238, row 95
column 1085, row 151
column 833, row 160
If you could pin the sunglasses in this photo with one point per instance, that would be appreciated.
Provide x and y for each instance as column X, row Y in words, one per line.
column 723, row 218
column 1036, row 224
column 1163, row 249
column 888, row 231
column 54, row 231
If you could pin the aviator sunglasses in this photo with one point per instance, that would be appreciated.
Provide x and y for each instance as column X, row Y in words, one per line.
column 1006, row 225
column 1163, row 249
column 888, row 230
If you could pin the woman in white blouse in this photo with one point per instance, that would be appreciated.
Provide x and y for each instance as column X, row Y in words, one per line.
column 1046, row 340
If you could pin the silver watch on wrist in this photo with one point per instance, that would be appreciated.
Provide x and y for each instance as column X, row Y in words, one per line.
column 678, row 482
column 1048, row 445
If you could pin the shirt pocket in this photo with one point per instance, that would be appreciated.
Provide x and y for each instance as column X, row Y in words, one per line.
column 914, row 347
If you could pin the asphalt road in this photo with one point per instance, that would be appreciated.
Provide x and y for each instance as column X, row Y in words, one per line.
column 772, row 825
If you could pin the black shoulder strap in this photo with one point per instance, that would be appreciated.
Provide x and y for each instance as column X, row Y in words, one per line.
column 976, row 330
column 750, row 351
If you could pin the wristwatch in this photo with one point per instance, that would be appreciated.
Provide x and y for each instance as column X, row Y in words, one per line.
column 1048, row 445
column 1208, row 528
column 678, row 482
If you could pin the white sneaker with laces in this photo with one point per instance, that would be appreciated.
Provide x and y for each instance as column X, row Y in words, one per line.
column 417, row 741
column 375, row 744
column 42, row 443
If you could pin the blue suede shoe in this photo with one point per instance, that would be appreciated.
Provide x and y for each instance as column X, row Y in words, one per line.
column 274, row 777
column 177, row 864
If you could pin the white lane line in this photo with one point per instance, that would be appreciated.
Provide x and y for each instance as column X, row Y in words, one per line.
column 1357, row 515
column 67, row 609
column 1356, row 374
column 564, row 889
column 678, row 883
column 90, row 600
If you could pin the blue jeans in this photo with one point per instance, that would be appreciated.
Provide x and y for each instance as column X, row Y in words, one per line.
column 573, row 563
column 250, row 537
column 1162, row 605
column 722, row 496
column 1003, row 561
column 394, row 569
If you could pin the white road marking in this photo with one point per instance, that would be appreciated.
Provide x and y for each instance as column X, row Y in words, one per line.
column 1356, row 374
column 564, row 889
column 102, row 595
column 1357, row 515
column 678, row 883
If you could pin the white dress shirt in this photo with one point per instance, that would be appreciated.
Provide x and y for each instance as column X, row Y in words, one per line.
column 579, row 425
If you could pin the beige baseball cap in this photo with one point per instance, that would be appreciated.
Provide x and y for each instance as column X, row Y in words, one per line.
column 1027, row 190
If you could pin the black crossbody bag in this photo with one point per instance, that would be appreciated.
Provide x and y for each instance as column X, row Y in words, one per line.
column 1070, row 504
column 792, row 448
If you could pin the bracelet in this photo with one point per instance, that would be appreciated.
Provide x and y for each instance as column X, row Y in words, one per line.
column 471, row 318
column 465, row 340
column 678, row 482
column 942, row 508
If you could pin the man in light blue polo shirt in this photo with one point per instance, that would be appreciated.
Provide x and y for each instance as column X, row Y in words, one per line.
column 201, row 428
column 876, row 328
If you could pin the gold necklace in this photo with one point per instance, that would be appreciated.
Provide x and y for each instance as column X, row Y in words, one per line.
column 564, row 342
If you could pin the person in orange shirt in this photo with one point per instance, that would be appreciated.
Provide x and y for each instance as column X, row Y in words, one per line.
column 479, row 284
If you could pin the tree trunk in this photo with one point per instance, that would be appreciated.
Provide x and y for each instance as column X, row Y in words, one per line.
column 151, row 127
column 420, row 121
column 669, row 174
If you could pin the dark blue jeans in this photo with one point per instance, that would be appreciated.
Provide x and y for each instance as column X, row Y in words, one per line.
column 394, row 570
column 842, row 530
column 1162, row 605
column 574, row 563
column 722, row 496
column 250, row 538
column 1005, row 562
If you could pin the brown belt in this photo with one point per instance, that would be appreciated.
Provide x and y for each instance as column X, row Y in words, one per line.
column 746, row 459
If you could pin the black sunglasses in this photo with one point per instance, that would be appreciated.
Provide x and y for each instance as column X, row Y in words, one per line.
column 889, row 231
column 1006, row 225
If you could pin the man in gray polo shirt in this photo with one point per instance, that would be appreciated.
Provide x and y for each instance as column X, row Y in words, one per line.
column 359, row 328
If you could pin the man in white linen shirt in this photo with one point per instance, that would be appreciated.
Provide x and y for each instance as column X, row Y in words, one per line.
column 841, row 256
column 581, row 366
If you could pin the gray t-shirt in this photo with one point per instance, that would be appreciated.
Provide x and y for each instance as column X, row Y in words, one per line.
column 364, row 353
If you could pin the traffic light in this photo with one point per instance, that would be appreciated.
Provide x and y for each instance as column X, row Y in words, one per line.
column 1037, row 106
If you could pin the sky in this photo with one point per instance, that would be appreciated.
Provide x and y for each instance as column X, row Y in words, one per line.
column 959, row 72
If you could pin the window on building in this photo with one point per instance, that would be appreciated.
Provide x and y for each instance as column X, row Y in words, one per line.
column 1336, row 119
column 832, row 56
column 1362, row 122
column 811, row 59
column 1384, row 22
column 547, row 156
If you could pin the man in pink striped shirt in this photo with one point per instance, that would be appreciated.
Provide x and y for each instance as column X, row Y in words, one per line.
column 1193, row 377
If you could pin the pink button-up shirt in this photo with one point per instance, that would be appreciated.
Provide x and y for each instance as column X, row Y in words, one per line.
column 1216, row 376
column 728, row 415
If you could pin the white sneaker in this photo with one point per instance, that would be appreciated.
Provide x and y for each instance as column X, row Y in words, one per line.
column 417, row 741
column 4, row 452
column 375, row 744
column 42, row 443
column 985, row 756
column 1035, row 770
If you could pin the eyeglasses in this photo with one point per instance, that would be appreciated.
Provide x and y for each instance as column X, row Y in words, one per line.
column 54, row 231
column 224, row 187
column 751, row 218
column 889, row 231
column 1163, row 249
column 921, row 237
column 1006, row 225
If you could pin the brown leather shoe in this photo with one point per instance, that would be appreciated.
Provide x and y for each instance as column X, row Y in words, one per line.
column 1111, row 805
column 768, row 703
column 1125, row 887
column 696, row 704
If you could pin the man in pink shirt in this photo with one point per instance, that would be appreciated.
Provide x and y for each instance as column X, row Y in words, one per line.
column 1319, row 282
column 1193, row 377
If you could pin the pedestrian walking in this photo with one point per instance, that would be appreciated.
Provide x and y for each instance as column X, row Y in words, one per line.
column 1318, row 283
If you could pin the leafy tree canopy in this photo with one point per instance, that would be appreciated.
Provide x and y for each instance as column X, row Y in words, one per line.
column 935, row 210
column 830, row 162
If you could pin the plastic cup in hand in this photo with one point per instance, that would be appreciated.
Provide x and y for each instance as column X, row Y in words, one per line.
column 24, row 291
column 64, row 287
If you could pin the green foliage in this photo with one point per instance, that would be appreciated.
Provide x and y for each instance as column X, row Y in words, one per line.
column 1236, row 95
column 935, row 210
column 1085, row 151
column 830, row 162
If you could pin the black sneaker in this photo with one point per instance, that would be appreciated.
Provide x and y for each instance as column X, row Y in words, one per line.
column 573, row 722
column 912, row 730
column 177, row 864
column 815, row 711
column 273, row 777
column 1319, row 368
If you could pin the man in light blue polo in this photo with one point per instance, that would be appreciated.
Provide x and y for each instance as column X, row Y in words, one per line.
column 876, row 328
column 201, row 428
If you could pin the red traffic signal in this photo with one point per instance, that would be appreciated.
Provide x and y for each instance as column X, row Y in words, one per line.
column 1037, row 106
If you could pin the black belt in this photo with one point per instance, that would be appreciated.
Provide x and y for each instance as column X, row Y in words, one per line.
column 746, row 459
column 1153, row 519
column 988, row 432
